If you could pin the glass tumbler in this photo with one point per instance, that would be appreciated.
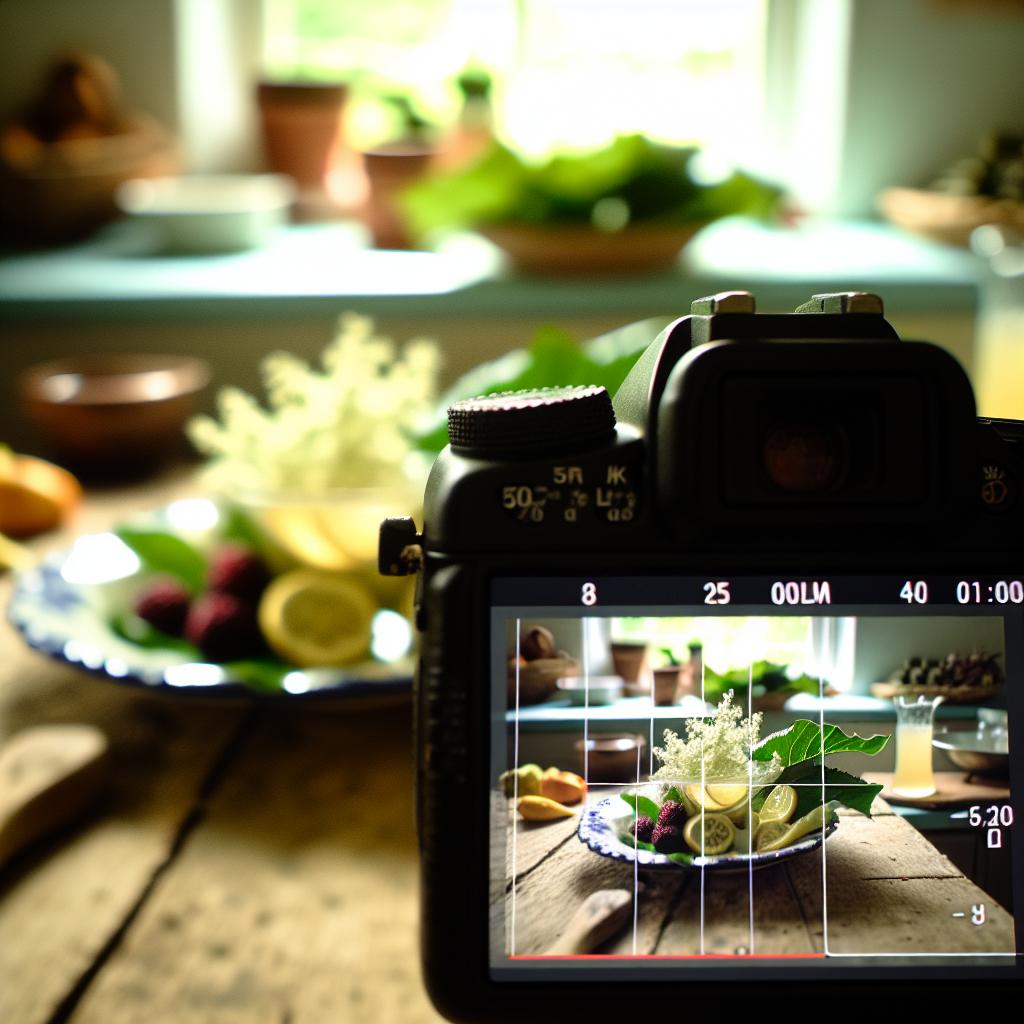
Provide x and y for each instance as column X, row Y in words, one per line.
column 914, row 728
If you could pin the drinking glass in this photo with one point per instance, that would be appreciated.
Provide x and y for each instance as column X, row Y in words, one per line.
column 914, row 727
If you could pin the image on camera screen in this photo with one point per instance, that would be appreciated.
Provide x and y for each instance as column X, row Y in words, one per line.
column 804, row 780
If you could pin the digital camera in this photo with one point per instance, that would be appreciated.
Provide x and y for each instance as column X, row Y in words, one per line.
column 720, row 678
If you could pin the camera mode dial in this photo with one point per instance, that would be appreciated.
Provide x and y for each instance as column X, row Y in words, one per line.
column 520, row 423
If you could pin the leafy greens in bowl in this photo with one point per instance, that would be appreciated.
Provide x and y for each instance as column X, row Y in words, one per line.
column 632, row 181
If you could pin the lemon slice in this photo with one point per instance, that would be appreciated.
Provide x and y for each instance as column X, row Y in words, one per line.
column 317, row 618
column 709, row 834
column 700, row 797
column 768, row 834
column 726, row 795
column 811, row 822
column 779, row 805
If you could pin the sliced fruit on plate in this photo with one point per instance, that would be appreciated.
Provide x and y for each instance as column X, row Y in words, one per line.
column 768, row 834
column 812, row 821
column 700, row 797
column 709, row 834
column 727, row 795
column 779, row 805
column 314, row 618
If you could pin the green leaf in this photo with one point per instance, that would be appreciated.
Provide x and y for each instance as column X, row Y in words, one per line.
column 552, row 359
column 165, row 552
column 142, row 634
column 805, row 740
column 674, row 794
column 839, row 785
column 641, row 805
column 681, row 858
column 640, row 844
column 265, row 675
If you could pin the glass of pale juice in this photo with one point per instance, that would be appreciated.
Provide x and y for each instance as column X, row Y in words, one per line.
column 914, row 729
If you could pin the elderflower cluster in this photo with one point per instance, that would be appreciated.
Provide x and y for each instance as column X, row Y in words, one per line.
column 346, row 424
column 717, row 749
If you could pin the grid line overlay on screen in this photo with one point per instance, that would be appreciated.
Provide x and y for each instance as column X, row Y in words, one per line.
column 515, row 796
column 827, row 648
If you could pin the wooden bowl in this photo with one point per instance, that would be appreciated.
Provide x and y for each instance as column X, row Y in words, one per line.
column 70, row 190
column 113, row 413
column 946, row 218
column 538, row 679
column 579, row 250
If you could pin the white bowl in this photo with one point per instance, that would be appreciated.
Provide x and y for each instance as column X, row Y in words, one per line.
column 205, row 213
column 595, row 690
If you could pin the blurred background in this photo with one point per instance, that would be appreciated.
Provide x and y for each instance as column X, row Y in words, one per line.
column 476, row 169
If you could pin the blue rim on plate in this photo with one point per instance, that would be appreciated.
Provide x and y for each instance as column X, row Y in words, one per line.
column 602, row 823
column 59, row 619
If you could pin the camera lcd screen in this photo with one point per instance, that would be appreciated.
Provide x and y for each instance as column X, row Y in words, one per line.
column 692, row 776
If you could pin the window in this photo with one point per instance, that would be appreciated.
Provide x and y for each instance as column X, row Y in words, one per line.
column 567, row 73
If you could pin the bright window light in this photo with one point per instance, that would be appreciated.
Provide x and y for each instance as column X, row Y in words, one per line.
column 567, row 73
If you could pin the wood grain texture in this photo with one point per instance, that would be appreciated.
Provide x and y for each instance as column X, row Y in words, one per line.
column 62, row 901
column 295, row 898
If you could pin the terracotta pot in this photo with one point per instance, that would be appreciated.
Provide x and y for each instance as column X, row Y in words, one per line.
column 302, row 129
column 389, row 170
column 666, row 684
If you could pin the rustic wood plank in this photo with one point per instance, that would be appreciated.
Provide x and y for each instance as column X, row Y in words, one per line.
column 295, row 898
column 879, row 905
column 884, row 847
column 535, row 840
column 62, row 902
column 778, row 925
column 547, row 898
column 913, row 915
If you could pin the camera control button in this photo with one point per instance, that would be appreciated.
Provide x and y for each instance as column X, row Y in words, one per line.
column 521, row 423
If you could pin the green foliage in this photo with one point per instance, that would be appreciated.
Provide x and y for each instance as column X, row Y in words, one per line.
column 766, row 676
column 553, row 358
column 163, row 552
column 805, row 740
column 641, row 805
column 646, row 180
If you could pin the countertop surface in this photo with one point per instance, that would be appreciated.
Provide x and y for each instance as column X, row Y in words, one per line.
column 119, row 273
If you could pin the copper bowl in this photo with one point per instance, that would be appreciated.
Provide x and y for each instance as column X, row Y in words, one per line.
column 113, row 413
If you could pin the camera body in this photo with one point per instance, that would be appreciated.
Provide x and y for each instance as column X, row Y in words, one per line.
column 748, row 456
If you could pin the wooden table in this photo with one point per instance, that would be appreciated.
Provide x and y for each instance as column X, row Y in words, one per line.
column 888, row 890
column 246, row 864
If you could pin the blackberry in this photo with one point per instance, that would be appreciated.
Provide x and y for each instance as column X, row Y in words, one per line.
column 164, row 604
column 672, row 813
column 223, row 627
column 239, row 571
column 642, row 828
column 668, row 839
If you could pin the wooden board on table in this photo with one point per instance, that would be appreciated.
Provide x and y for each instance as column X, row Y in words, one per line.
column 952, row 790
column 295, row 899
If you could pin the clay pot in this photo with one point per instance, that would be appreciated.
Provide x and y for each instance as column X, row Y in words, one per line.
column 390, row 169
column 666, row 684
column 302, row 130
column 630, row 661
